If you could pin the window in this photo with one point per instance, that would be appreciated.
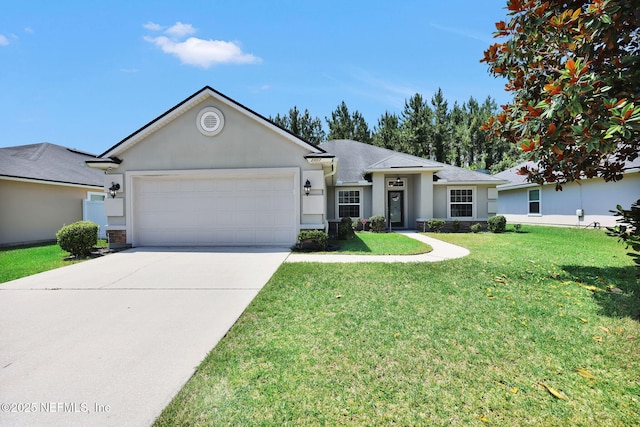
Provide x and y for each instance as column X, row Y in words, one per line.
column 534, row 202
column 95, row 197
column 349, row 203
column 461, row 202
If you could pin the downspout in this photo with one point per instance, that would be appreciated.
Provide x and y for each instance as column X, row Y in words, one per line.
column 334, row 170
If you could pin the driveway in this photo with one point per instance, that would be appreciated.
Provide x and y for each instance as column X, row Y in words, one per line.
column 112, row 340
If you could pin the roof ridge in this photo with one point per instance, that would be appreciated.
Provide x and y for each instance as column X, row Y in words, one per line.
column 38, row 153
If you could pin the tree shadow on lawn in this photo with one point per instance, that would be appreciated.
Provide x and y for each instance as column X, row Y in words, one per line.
column 354, row 244
column 618, row 288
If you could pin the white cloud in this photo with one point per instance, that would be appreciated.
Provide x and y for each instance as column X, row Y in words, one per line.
column 152, row 26
column 196, row 51
column 28, row 30
column 204, row 53
column 180, row 30
column 3, row 40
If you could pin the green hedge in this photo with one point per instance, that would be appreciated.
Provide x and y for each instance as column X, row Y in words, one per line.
column 436, row 225
column 318, row 240
column 476, row 228
column 78, row 238
column 378, row 223
column 497, row 224
column 345, row 229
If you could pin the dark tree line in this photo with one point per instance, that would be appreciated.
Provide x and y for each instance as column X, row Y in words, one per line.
column 425, row 129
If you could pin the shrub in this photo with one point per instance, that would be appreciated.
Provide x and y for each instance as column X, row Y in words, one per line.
column 517, row 228
column 628, row 229
column 455, row 226
column 78, row 238
column 435, row 225
column 476, row 228
column 378, row 223
column 497, row 224
column 345, row 229
column 313, row 240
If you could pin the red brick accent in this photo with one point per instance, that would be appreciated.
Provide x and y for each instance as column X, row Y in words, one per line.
column 117, row 238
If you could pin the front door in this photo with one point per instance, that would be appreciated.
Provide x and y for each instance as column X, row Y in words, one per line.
column 396, row 208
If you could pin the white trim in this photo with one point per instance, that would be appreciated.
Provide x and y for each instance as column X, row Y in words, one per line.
column 539, row 213
column 130, row 176
column 353, row 184
column 177, row 112
column 105, row 165
column 474, row 201
column 504, row 187
column 360, row 197
column 117, row 227
column 320, row 226
column 40, row 181
column 445, row 182
column 402, row 171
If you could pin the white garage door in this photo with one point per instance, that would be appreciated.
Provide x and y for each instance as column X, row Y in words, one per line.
column 254, row 209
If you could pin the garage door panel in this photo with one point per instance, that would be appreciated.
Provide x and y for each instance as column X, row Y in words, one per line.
column 215, row 210
column 244, row 203
column 207, row 220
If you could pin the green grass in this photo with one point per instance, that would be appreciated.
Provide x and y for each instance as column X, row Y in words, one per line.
column 382, row 244
column 25, row 261
column 463, row 342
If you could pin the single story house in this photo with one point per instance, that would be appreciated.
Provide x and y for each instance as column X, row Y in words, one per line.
column 44, row 187
column 583, row 203
column 211, row 171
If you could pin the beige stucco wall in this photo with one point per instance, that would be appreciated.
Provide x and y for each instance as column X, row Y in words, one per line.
column 243, row 143
column 32, row 212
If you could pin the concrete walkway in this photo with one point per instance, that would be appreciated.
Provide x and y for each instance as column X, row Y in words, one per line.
column 109, row 342
column 441, row 251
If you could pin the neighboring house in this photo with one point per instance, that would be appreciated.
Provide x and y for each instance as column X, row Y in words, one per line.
column 212, row 172
column 42, row 188
column 583, row 203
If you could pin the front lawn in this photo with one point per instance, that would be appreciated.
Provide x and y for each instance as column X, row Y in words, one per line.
column 25, row 261
column 369, row 243
column 465, row 342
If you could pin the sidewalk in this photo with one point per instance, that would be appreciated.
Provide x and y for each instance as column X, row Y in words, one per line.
column 441, row 251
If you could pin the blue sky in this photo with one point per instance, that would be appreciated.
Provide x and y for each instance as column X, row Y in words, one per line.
column 86, row 74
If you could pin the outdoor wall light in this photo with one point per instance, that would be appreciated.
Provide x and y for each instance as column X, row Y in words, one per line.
column 307, row 188
column 113, row 190
column 398, row 180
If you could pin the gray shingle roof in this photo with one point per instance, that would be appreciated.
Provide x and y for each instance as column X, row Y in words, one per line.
column 354, row 158
column 515, row 180
column 49, row 162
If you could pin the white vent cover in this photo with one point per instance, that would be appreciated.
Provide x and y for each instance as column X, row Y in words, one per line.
column 210, row 121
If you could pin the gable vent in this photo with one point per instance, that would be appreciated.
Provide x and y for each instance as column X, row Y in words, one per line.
column 210, row 121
